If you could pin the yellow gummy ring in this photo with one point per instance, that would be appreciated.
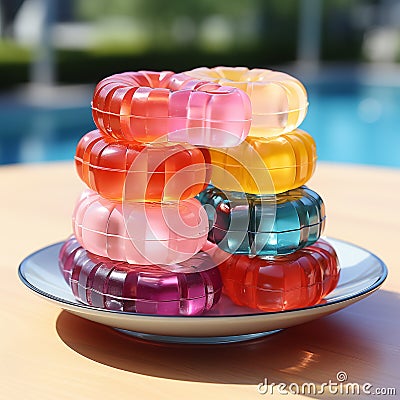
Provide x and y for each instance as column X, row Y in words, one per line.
column 263, row 165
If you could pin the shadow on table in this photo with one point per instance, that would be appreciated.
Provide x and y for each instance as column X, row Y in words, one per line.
column 347, row 341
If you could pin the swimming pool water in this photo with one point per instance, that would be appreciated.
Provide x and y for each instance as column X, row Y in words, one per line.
column 34, row 134
column 355, row 124
column 350, row 123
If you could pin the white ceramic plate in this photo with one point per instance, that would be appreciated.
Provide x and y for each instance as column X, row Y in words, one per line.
column 361, row 274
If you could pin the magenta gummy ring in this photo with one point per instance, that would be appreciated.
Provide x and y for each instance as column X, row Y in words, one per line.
column 113, row 285
column 148, row 106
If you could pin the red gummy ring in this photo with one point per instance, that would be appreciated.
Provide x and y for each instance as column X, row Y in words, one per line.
column 150, row 106
column 298, row 280
column 131, row 171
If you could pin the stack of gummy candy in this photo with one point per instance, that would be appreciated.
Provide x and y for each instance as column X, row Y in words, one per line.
column 153, row 235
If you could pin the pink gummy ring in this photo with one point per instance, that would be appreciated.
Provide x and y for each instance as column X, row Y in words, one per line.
column 148, row 106
column 138, row 232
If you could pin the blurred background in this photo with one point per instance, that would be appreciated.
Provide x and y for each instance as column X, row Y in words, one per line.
column 346, row 52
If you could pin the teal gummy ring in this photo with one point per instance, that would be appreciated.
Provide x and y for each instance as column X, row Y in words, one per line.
column 263, row 225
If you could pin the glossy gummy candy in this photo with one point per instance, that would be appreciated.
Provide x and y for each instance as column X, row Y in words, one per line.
column 265, row 225
column 265, row 165
column 148, row 106
column 150, row 289
column 140, row 233
column 279, row 101
column 131, row 171
column 297, row 280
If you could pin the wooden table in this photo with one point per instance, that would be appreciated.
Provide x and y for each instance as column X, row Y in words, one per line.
column 50, row 354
